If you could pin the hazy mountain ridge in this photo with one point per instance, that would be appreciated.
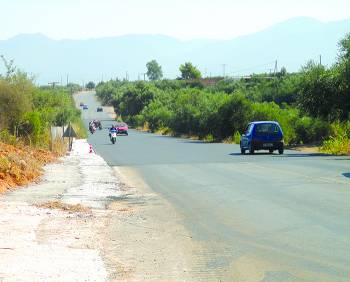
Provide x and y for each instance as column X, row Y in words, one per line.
column 292, row 43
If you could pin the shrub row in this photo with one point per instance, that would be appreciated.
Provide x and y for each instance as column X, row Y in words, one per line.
column 203, row 112
column 28, row 111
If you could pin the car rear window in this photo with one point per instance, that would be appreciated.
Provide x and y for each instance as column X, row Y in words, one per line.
column 266, row 129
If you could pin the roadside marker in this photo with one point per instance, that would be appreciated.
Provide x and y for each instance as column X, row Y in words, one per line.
column 91, row 150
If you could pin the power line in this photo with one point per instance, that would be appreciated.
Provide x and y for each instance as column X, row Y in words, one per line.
column 53, row 83
column 267, row 64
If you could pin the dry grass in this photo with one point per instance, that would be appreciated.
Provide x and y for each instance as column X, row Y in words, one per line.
column 310, row 148
column 57, row 205
column 228, row 140
column 20, row 165
column 60, row 147
column 144, row 128
column 164, row 131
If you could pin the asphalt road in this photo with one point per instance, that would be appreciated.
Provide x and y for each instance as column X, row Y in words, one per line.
column 283, row 218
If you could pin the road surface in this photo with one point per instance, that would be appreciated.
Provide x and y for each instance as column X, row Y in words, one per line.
column 260, row 217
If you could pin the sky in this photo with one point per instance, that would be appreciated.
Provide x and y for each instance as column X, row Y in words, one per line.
column 183, row 19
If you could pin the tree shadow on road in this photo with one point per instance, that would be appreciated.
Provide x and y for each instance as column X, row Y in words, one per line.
column 288, row 155
column 305, row 155
column 251, row 155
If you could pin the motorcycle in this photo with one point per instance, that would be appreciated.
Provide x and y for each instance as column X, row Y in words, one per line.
column 114, row 137
column 98, row 124
column 92, row 129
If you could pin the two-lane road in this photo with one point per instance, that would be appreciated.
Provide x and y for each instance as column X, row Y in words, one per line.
column 283, row 218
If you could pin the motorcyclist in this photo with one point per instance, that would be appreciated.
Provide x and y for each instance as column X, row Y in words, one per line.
column 92, row 127
column 98, row 124
column 113, row 129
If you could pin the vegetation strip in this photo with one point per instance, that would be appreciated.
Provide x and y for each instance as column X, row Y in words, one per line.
column 312, row 105
column 27, row 114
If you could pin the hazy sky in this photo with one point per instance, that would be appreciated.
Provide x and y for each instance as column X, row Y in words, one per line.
column 183, row 19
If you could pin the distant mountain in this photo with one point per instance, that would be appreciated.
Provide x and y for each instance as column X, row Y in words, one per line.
column 292, row 43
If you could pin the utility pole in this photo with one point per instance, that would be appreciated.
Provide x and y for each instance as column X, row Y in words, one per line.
column 67, row 80
column 224, row 70
column 320, row 60
column 275, row 70
column 144, row 76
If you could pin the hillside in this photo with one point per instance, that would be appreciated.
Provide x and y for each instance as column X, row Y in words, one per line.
column 292, row 43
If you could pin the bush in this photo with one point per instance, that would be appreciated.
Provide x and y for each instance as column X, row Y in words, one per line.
column 7, row 137
column 237, row 137
column 310, row 130
column 338, row 143
column 209, row 138
column 5, row 165
column 32, row 127
column 28, row 112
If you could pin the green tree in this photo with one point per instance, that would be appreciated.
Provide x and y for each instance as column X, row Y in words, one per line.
column 319, row 92
column 282, row 72
column 343, row 67
column 189, row 71
column 154, row 70
column 16, row 93
column 90, row 85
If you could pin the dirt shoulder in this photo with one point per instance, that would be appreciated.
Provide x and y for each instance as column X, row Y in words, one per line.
column 308, row 148
column 53, row 230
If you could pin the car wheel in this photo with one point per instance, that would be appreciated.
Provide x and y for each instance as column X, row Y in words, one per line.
column 270, row 151
column 281, row 151
column 242, row 151
column 126, row 133
column 251, row 150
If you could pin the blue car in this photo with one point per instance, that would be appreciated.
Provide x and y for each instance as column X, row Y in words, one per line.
column 262, row 135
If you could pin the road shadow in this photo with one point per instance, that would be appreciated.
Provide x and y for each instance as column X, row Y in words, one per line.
column 184, row 140
column 195, row 142
column 201, row 142
column 347, row 174
column 305, row 155
column 248, row 155
column 288, row 155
